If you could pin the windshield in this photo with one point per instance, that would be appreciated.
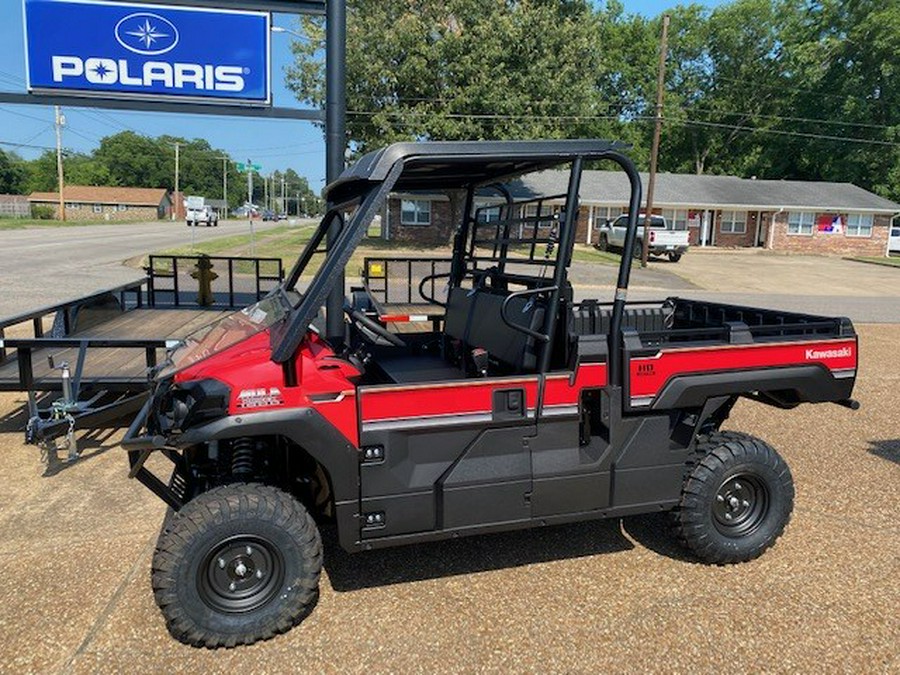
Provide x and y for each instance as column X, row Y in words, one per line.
column 226, row 332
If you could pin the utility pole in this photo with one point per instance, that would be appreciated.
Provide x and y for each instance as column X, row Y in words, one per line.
column 266, row 192
column 249, row 183
column 283, row 203
column 657, row 130
column 177, row 171
column 60, row 123
column 225, row 183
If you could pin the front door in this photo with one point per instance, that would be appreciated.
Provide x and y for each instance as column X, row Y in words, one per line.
column 446, row 455
column 894, row 241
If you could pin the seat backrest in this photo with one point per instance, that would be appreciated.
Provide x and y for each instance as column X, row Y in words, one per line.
column 473, row 317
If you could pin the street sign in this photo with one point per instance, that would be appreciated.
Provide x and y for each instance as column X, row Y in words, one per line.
column 242, row 167
column 144, row 51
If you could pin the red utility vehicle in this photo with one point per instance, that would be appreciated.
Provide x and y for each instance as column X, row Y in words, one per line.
column 515, row 407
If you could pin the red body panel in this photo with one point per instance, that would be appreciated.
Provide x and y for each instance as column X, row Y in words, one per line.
column 649, row 374
column 326, row 383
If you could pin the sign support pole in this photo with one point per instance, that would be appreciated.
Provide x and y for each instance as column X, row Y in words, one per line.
column 335, row 143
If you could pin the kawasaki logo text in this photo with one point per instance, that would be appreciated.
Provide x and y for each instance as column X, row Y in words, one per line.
column 813, row 354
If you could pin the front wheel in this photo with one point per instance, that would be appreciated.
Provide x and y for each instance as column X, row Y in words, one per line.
column 603, row 243
column 236, row 565
column 736, row 501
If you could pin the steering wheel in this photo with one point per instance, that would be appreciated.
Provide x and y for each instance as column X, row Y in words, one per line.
column 371, row 330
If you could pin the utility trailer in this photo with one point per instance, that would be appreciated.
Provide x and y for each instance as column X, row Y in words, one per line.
column 89, row 361
column 515, row 406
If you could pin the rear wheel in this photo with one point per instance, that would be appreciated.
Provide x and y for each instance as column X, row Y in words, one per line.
column 674, row 257
column 638, row 249
column 736, row 501
column 236, row 565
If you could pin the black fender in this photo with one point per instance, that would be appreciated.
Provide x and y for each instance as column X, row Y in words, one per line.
column 809, row 383
column 305, row 427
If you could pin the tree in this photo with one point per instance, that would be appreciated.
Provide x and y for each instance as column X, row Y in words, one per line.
column 13, row 174
column 460, row 69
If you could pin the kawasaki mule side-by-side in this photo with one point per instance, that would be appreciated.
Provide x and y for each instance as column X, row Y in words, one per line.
column 517, row 407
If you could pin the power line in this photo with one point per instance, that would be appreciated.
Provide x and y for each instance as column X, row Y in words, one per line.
column 787, row 118
column 26, row 145
column 781, row 132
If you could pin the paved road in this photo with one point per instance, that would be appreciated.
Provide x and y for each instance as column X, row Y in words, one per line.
column 42, row 266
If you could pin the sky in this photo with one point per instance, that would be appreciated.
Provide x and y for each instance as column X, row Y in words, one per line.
column 273, row 144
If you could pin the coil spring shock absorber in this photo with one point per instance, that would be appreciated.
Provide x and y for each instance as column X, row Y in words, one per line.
column 242, row 457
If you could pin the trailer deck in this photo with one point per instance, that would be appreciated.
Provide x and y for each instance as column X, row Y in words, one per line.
column 107, row 366
column 110, row 339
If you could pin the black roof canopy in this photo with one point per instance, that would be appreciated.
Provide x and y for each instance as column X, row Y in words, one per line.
column 459, row 164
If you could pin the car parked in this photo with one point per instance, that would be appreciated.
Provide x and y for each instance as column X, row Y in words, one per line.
column 663, row 241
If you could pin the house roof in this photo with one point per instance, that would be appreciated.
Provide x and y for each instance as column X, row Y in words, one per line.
column 99, row 194
column 691, row 191
column 12, row 199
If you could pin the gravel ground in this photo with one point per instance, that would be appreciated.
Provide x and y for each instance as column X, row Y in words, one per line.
column 613, row 596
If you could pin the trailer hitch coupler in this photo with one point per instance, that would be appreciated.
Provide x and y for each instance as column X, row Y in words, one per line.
column 853, row 404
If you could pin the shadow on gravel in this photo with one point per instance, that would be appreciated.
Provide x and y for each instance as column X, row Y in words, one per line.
column 889, row 450
column 91, row 443
column 471, row 554
column 653, row 532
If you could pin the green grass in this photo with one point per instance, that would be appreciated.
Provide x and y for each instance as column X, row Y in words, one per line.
column 25, row 223
column 888, row 262
column 589, row 254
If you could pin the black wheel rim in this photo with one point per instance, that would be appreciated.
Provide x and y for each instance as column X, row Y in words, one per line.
column 741, row 504
column 240, row 574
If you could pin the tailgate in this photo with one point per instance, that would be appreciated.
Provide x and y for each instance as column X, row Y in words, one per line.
column 669, row 237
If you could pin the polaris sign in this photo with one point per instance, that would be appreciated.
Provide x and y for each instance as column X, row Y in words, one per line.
column 147, row 51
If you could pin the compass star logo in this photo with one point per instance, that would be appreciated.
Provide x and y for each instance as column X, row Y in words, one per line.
column 146, row 33
column 102, row 71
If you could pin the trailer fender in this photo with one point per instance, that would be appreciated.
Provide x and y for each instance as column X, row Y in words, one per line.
column 305, row 427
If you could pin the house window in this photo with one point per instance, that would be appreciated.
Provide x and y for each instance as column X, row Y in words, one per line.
column 121, row 207
column 676, row 219
column 859, row 225
column 73, row 205
column 415, row 212
column 98, row 208
column 733, row 222
column 489, row 215
column 801, row 222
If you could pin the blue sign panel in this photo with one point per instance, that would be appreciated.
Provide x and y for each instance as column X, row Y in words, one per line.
column 147, row 51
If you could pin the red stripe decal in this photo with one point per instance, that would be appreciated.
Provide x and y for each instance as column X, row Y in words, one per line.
column 648, row 375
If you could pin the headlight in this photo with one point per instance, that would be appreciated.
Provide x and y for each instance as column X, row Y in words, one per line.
column 190, row 403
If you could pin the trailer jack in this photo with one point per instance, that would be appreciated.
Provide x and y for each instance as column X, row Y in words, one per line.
column 60, row 420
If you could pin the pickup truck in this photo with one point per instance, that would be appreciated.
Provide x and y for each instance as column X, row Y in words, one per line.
column 663, row 241
column 204, row 215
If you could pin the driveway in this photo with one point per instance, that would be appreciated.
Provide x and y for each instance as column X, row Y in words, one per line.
column 795, row 283
column 759, row 272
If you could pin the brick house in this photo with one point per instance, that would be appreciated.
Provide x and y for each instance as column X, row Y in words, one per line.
column 90, row 202
column 725, row 211
column 421, row 219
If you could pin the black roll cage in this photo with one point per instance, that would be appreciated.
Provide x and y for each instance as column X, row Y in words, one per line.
column 457, row 165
